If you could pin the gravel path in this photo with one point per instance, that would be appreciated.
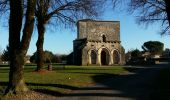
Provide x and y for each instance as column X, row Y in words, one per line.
column 130, row 86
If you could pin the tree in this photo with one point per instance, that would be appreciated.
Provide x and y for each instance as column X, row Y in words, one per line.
column 128, row 55
column 4, row 7
column 5, row 54
column 61, row 12
column 166, row 53
column 48, row 57
column 149, row 11
column 18, row 45
column 135, row 53
column 59, row 58
column 154, row 47
column 33, row 58
column 133, row 57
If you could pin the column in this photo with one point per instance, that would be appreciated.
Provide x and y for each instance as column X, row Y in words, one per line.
column 98, row 59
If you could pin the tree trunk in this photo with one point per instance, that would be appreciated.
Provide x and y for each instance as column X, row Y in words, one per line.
column 39, row 44
column 16, row 79
column 17, row 48
column 167, row 2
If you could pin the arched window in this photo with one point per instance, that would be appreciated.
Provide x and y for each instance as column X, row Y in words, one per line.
column 104, row 38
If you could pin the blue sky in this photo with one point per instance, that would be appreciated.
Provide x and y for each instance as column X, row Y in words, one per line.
column 61, row 41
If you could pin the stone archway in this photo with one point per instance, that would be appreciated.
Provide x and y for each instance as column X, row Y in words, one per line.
column 93, row 57
column 104, row 57
column 116, row 57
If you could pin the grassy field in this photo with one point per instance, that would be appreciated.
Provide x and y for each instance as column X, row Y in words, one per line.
column 62, row 79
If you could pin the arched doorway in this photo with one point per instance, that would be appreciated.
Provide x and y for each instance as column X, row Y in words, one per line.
column 104, row 57
column 116, row 57
column 93, row 57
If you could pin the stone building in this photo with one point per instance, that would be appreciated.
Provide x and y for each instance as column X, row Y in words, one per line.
column 98, row 43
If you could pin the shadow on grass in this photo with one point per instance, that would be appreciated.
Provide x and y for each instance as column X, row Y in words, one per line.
column 4, row 65
column 2, row 88
column 100, row 91
column 69, row 87
column 140, row 84
column 3, row 83
column 136, row 86
column 4, row 71
column 79, row 94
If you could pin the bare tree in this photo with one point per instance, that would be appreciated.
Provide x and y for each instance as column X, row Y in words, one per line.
column 167, row 6
column 149, row 11
column 18, row 46
column 61, row 12
column 4, row 6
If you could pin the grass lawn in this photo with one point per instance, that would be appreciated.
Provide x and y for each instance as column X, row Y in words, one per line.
column 62, row 79
column 162, row 86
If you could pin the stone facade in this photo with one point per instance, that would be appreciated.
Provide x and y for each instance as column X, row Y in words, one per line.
column 98, row 43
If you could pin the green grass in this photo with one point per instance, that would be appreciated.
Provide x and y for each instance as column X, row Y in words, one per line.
column 162, row 86
column 62, row 79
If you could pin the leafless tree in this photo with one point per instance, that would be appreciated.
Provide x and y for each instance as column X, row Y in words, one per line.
column 4, row 6
column 18, row 45
column 62, row 12
column 149, row 11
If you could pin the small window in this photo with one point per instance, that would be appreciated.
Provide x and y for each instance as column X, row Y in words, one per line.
column 104, row 38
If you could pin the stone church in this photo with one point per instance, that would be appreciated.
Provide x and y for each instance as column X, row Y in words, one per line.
column 98, row 43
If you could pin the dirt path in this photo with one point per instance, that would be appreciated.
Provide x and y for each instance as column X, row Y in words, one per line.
column 135, row 85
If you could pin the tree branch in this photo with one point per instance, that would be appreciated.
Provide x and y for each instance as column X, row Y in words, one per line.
column 57, row 10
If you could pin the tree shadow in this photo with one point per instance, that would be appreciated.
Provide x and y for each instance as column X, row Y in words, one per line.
column 103, row 89
column 3, row 83
column 4, row 65
column 78, row 94
column 136, row 85
column 4, row 70
column 72, row 88
column 69, row 86
column 56, row 93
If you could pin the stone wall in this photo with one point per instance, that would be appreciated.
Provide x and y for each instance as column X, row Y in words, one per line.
column 98, row 46
column 100, row 37
column 93, row 30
